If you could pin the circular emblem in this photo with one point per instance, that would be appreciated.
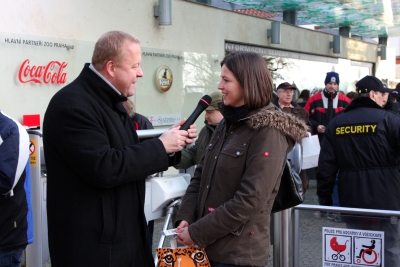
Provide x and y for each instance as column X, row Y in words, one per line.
column 164, row 78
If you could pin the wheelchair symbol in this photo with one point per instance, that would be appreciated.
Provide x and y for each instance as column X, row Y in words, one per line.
column 368, row 255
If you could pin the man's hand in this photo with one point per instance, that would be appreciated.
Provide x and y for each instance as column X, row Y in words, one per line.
column 321, row 128
column 174, row 140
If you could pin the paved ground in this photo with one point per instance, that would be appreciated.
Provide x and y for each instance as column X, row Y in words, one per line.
column 310, row 232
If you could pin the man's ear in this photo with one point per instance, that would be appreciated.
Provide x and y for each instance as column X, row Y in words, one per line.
column 372, row 94
column 110, row 68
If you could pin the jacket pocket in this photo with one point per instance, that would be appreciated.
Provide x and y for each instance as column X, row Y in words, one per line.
column 238, row 231
column 234, row 150
column 108, row 220
column 231, row 157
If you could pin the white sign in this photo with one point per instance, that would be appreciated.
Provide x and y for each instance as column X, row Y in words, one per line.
column 234, row 47
column 164, row 119
column 352, row 247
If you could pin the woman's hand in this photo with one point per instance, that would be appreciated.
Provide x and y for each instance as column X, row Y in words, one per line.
column 182, row 234
column 191, row 132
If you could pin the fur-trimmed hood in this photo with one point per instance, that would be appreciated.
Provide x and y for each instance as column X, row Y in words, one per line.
column 271, row 116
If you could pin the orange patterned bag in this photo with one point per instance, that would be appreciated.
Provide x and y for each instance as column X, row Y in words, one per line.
column 182, row 257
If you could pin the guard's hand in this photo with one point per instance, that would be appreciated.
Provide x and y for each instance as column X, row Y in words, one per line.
column 174, row 140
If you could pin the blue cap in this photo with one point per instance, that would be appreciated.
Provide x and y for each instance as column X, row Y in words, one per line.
column 332, row 77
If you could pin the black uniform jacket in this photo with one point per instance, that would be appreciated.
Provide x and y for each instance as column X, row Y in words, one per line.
column 363, row 144
column 96, row 170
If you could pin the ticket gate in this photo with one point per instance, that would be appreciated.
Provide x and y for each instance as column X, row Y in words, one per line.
column 161, row 191
column 37, row 253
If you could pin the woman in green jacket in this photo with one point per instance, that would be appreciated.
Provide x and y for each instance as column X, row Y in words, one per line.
column 227, row 206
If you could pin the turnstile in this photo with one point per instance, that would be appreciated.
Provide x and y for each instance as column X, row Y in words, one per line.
column 37, row 253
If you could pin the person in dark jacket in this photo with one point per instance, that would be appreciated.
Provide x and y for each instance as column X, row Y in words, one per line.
column 96, row 166
column 393, row 103
column 352, row 95
column 16, row 220
column 363, row 145
column 192, row 155
column 226, row 208
column 285, row 102
column 139, row 121
column 303, row 97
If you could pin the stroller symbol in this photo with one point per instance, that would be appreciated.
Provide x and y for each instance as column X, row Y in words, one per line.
column 338, row 248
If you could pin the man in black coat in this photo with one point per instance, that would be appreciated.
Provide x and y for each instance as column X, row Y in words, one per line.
column 96, row 166
column 363, row 145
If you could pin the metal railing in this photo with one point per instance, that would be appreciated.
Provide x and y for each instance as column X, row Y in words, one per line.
column 286, row 223
column 286, row 229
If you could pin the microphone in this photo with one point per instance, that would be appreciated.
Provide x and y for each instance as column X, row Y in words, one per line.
column 201, row 106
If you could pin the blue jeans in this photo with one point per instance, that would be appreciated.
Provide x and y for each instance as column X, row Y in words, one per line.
column 11, row 258
column 217, row 264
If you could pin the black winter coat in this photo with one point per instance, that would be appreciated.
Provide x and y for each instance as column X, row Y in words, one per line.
column 363, row 145
column 96, row 171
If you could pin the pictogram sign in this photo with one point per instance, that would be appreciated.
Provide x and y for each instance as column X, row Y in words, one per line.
column 33, row 152
column 352, row 247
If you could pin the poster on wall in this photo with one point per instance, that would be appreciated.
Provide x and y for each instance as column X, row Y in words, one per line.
column 34, row 68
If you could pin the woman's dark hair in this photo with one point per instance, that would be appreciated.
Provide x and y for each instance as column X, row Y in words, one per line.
column 251, row 71
column 305, row 95
column 352, row 95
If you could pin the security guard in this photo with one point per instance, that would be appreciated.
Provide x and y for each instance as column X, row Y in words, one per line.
column 363, row 144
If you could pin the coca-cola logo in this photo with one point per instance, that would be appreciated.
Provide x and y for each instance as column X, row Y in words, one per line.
column 52, row 73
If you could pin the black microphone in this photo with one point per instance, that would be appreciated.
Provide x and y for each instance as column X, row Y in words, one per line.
column 201, row 106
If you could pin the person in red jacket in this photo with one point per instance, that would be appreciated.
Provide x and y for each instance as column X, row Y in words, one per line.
column 322, row 107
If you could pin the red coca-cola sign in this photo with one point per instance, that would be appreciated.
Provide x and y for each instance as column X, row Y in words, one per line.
column 52, row 73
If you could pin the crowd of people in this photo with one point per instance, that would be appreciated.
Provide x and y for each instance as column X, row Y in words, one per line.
column 97, row 165
column 360, row 155
column 359, row 162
